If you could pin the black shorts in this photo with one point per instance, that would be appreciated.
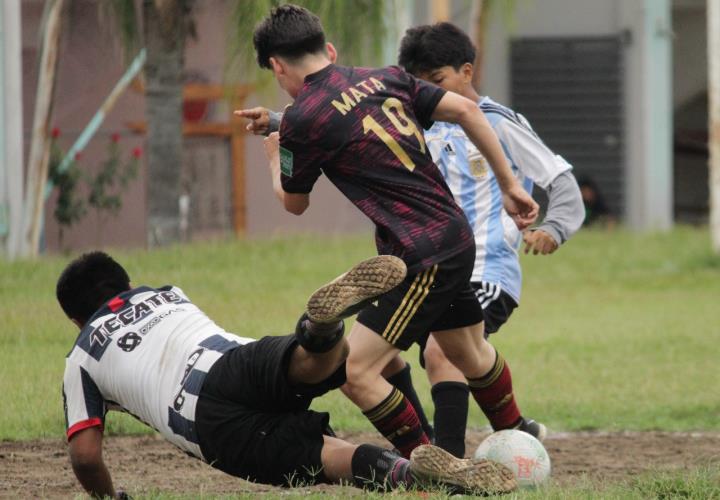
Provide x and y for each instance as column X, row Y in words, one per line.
column 497, row 306
column 438, row 298
column 253, row 424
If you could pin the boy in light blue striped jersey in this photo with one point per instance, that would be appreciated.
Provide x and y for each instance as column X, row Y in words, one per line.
column 444, row 55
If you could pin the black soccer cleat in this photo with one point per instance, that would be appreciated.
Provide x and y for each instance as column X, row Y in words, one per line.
column 535, row 429
column 433, row 467
column 350, row 292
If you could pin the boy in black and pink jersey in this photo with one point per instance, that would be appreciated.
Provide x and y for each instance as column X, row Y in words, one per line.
column 361, row 127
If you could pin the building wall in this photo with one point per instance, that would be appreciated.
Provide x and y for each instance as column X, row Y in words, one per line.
column 90, row 64
column 541, row 18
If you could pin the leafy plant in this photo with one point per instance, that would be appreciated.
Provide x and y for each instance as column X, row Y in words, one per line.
column 112, row 172
column 69, row 208
column 105, row 188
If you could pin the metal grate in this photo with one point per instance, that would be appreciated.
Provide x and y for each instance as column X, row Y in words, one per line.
column 571, row 91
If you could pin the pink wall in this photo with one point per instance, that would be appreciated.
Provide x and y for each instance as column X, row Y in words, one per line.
column 89, row 66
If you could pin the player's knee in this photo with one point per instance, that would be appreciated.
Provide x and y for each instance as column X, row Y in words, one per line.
column 358, row 378
column 434, row 356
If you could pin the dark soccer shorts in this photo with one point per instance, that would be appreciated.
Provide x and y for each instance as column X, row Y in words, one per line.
column 253, row 424
column 438, row 298
column 497, row 306
column 496, row 303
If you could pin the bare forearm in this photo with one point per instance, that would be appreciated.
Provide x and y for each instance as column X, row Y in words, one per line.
column 457, row 109
column 274, row 167
column 95, row 478
column 481, row 134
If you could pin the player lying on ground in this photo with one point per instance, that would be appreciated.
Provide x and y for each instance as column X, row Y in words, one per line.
column 361, row 128
column 444, row 55
column 240, row 405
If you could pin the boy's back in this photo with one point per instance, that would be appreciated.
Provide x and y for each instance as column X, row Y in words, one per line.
column 362, row 128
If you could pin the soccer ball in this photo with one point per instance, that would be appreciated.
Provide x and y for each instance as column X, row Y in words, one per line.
column 519, row 451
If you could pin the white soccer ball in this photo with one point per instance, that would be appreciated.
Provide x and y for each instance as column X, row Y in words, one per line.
column 519, row 451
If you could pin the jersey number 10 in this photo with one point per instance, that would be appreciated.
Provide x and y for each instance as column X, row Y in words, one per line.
column 395, row 112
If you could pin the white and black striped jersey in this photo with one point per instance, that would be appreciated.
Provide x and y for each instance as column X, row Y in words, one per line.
column 145, row 352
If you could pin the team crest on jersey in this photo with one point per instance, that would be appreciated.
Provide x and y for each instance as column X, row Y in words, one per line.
column 129, row 341
column 286, row 161
column 478, row 166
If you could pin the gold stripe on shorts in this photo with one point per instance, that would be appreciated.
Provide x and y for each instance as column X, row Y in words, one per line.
column 425, row 292
column 410, row 303
column 403, row 303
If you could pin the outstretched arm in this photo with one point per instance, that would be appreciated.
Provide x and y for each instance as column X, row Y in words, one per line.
column 457, row 109
column 262, row 120
column 85, row 449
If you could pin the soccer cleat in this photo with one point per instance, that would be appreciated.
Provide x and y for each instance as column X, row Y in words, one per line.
column 433, row 466
column 535, row 429
column 350, row 292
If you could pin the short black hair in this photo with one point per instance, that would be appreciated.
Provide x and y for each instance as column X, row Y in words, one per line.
column 289, row 31
column 88, row 282
column 429, row 47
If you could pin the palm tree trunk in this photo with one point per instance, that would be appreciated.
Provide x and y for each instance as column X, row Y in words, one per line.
column 165, row 32
column 40, row 145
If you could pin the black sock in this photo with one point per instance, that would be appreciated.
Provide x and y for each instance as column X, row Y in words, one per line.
column 402, row 380
column 376, row 468
column 451, row 412
column 318, row 337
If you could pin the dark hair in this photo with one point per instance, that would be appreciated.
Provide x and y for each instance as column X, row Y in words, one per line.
column 88, row 282
column 289, row 31
column 429, row 47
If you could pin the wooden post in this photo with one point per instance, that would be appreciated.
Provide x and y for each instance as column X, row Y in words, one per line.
column 233, row 130
column 237, row 157
column 37, row 172
column 440, row 10
column 713, row 34
column 481, row 15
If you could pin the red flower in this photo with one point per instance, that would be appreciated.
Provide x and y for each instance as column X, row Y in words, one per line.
column 55, row 133
column 137, row 152
column 78, row 155
column 115, row 137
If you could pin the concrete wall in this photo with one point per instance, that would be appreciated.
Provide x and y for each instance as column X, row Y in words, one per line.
column 645, row 25
column 542, row 18
column 690, row 74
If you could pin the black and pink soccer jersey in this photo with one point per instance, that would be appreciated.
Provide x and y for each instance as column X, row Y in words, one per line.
column 362, row 128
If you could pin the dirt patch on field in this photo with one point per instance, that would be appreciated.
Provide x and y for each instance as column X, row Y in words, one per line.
column 33, row 469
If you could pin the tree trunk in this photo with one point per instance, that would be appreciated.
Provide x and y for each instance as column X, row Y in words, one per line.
column 165, row 32
column 37, row 173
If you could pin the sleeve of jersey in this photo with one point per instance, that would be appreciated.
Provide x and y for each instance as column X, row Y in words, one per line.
column 528, row 153
column 300, row 163
column 425, row 98
column 84, row 405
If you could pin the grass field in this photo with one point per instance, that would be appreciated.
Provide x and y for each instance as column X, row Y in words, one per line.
column 615, row 331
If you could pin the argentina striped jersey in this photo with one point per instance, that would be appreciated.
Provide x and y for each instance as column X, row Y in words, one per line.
column 475, row 188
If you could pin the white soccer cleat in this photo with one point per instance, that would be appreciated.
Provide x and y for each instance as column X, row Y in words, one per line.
column 433, row 466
